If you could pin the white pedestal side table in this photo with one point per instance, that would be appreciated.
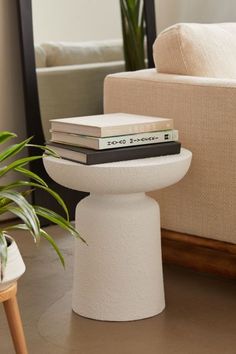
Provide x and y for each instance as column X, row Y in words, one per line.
column 118, row 276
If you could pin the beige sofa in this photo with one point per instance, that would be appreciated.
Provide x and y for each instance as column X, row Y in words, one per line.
column 194, row 83
column 70, row 77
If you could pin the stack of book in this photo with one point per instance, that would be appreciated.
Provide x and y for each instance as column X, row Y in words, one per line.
column 113, row 137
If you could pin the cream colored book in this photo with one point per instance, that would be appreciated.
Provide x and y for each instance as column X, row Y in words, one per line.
column 113, row 124
column 112, row 142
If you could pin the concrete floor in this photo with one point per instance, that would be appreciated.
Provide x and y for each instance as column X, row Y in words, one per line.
column 200, row 315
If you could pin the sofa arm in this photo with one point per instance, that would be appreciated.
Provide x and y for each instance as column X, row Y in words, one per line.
column 203, row 109
column 73, row 90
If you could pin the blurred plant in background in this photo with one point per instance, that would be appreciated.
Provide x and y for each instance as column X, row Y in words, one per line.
column 133, row 29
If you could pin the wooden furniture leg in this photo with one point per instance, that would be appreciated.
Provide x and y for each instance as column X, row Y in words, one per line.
column 8, row 297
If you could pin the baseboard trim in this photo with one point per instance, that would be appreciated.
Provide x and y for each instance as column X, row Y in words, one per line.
column 198, row 253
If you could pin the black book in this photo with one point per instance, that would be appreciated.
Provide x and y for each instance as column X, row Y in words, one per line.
column 93, row 157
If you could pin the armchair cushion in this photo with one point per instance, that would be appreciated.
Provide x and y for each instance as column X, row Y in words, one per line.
column 194, row 49
column 69, row 53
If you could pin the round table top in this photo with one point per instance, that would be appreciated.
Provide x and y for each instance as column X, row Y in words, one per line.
column 129, row 176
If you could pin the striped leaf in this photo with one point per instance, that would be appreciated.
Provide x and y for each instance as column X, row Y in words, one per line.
column 5, row 136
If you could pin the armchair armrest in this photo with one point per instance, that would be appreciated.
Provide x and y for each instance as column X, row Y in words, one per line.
column 204, row 111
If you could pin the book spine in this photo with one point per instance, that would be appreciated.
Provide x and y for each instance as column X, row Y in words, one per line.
column 132, row 153
column 134, row 129
column 138, row 139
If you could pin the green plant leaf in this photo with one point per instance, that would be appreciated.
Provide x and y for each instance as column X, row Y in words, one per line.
column 3, row 254
column 24, row 226
column 31, row 175
column 47, row 149
column 18, row 163
column 17, row 227
column 6, row 201
column 59, row 220
column 45, row 235
column 12, row 150
column 20, row 214
column 25, row 207
column 5, row 136
column 20, row 226
column 54, row 194
column 49, row 238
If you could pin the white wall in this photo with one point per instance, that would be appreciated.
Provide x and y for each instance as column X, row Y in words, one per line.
column 76, row 20
column 11, row 97
column 169, row 12
column 82, row 20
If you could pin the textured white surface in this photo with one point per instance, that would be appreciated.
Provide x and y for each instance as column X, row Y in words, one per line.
column 120, row 177
column 118, row 276
column 15, row 266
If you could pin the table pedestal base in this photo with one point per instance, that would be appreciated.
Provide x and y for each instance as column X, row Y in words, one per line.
column 118, row 276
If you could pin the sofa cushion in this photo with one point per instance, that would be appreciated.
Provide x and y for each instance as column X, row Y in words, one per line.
column 40, row 57
column 69, row 53
column 197, row 50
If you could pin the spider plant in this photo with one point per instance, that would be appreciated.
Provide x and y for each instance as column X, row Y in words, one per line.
column 133, row 29
column 13, row 197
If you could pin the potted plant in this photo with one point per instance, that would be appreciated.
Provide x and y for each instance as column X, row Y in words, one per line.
column 14, row 199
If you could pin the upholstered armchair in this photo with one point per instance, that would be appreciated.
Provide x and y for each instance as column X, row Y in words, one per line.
column 194, row 83
column 70, row 77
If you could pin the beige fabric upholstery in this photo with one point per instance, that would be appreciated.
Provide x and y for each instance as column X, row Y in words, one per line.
column 193, row 49
column 75, row 90
column 204, row 202
column 40, row 57
column 68, row 53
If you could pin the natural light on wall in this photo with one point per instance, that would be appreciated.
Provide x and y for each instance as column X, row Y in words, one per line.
column 76, row 20
column 169, row 12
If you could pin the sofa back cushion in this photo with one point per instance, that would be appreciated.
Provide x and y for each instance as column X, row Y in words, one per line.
column 197, row 50
column 40, row 57
column 69, row 53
